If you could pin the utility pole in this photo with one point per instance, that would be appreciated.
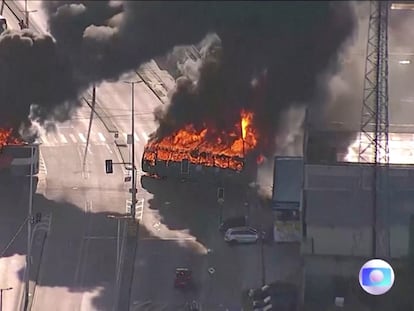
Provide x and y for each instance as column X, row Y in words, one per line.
column 133, row 179
column 89, row 129
column 1, row 296
column 375, row 123
column 29, row 230
column 26, row 13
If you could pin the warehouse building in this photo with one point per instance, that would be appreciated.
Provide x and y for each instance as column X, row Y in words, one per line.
column 338, row 216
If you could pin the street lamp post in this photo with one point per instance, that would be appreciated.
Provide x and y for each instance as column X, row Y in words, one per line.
column 29, row 228
column 133, row 179
column 1, row 296
column 119, row 255
column 118, row 235
column 262, row 256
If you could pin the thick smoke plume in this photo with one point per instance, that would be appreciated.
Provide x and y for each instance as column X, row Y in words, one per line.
column 270, row 57
column 33, row 73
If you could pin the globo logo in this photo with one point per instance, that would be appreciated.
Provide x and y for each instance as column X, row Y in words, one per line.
column 376, row 277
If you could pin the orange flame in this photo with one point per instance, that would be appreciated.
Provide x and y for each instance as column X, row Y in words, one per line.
column 246, row 120
column 206, row 147
column 6, row 138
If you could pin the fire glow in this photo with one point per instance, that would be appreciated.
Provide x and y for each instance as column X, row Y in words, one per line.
column 401, row 146
column 6, row 138
column 206, row 147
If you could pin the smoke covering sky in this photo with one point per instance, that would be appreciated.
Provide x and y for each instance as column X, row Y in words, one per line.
column 272, row 57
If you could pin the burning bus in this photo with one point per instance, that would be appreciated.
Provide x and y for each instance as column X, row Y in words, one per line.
column 16, row 156
column 190, row 153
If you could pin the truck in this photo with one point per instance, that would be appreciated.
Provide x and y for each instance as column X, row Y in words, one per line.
column 287, row 198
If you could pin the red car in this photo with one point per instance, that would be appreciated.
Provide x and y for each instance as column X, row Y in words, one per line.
column 183, row 278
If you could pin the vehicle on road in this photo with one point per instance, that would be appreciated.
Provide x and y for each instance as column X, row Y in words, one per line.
column 280, row 295
column 193, row 306
column 183, row 278
column 241, row 235
column 3, row 24
column 265, row 308
column 262, row 303
column 233, row 222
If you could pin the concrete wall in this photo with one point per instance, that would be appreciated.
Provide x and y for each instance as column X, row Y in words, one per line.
column 339, row 209
column 353, row 241
column 340, row 241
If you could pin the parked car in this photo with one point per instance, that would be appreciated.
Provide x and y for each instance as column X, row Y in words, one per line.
column 241, row 235
column 233, row 222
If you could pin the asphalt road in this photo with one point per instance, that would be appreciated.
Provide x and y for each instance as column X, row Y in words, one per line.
column 178, row 228
column 13, row 212
column 78, row 267
column 181, row 230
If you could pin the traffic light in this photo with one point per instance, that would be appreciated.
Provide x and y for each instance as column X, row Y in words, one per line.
column 108, row 167
column 38, row 217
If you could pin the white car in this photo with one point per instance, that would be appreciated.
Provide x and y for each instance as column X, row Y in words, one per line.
column 241, row 235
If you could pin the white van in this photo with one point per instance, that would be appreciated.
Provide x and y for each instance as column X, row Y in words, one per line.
column 241, row 235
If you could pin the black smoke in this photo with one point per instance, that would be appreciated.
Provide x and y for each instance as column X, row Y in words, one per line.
column 284, row 45
column 281, row 55
column 32, row 72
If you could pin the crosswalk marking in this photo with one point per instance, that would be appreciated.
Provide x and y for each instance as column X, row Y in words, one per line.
column 82, row 137
column 73, row 138
column 139, row 208
column 53, row 138
column 101, row 137
column 63, row 138
column 44, row 139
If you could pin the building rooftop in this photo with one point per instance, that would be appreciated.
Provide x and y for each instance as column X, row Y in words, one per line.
column 330, row 147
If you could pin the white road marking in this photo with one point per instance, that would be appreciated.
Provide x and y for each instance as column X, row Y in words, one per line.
column 136, row 137
column 109, row 148
column 44, row 139
column 82, row 137
column 99, row 237
column 168, row 239
column 73, row 138
column 145, row 136
column 101, row 137
column 42, row 163
column 53, row 138
column 63, row 138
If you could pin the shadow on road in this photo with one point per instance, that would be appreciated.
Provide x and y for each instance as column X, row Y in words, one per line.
column 86, row 266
